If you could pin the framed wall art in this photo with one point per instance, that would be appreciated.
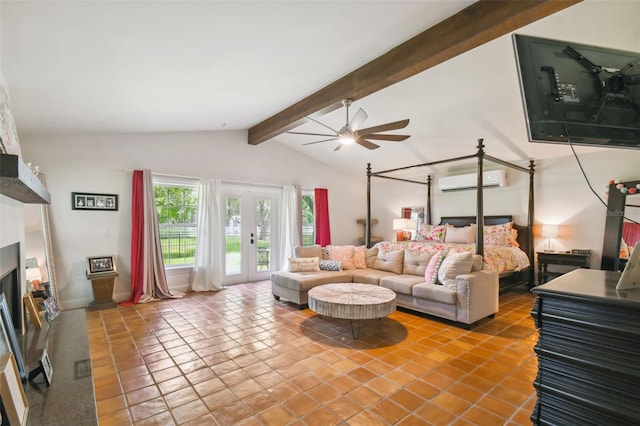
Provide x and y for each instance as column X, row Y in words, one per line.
column 100, row 264
column 90, row 201
column 10, row 333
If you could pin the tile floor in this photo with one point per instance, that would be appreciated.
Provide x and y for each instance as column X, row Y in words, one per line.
column 238, row 357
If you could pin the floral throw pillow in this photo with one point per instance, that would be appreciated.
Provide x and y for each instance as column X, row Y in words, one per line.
column 498, row 234
column 432, row 233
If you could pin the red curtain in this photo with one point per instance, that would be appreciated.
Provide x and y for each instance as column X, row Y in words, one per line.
column 323, row 230
column 137, row 239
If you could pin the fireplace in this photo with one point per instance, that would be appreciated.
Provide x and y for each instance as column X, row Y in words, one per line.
column 10, row 279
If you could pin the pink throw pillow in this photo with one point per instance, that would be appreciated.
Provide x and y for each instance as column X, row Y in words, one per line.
column 342, row 253
column 431, row 273
column 359, row 258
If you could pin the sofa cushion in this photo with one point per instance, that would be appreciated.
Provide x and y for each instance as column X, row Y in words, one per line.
column 401, row 283
column 304, row 281
column 369, row 276
column 416, row 262
column 370, row 256
column 435, row 292
column 304, row 264
column 342, row 253
column 453, row 265
column 390, row 261
column 308, row 251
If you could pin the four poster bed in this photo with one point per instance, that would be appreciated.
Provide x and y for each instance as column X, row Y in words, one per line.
column 514, row 269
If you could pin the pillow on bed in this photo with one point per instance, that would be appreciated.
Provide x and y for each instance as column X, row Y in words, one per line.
column 453, row 265
column 304, row 264
column 431, row 233
column 513, row 238
column 461, row 235
column 498, row 234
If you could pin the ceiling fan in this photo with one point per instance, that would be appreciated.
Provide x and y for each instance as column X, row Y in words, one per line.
column 351, row 132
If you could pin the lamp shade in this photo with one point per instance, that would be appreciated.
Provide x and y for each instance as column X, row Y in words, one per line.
column 549, row 231
column 400, row 224
column 34, row 274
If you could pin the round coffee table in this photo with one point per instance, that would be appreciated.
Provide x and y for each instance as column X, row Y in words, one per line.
column 352, row 301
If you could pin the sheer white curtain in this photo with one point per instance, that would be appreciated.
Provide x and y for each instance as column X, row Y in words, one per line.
column 289, row 223
column 207, row 271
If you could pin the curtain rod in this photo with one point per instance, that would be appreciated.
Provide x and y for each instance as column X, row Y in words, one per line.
column 224, row 181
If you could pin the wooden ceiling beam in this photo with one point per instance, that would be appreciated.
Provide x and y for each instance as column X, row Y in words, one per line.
column 477, row 24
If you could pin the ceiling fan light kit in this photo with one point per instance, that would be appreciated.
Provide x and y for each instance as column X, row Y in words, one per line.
column 351, row 133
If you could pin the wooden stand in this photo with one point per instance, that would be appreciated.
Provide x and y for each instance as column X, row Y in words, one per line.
column 102, row 286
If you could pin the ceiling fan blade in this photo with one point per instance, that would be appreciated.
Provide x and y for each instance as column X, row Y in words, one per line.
column 324, row 140
column 384, row 127
column 367, row 144
column 310, row 134
column 357, row 120
column 322, row 124
column 394, row 138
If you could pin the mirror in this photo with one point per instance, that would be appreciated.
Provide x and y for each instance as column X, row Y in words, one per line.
column 39, row 248
column 413, row 213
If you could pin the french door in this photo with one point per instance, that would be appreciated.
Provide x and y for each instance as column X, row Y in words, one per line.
column 250, row 227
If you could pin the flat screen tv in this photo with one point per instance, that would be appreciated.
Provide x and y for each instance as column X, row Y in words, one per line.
column 579, row 94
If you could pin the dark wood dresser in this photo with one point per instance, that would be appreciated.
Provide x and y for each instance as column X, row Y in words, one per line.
column 588, row 351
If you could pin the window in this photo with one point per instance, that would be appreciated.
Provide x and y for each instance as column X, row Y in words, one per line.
column 177, row 208
column 308, row 218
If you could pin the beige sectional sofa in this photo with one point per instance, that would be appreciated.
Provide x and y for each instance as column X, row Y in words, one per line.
column 463, row 293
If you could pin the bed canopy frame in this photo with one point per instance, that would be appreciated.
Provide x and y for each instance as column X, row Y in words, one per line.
column 481, row 157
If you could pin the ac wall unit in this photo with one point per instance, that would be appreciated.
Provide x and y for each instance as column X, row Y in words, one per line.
column 490, row 179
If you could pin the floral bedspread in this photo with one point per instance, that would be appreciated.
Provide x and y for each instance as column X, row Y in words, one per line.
column 496, row 257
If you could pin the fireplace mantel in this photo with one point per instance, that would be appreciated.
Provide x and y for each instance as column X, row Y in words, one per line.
column 17, row 181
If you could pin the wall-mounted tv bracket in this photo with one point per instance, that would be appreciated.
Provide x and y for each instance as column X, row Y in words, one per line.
column 614, row 87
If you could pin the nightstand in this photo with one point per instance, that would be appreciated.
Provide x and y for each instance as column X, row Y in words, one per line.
column 546, row 258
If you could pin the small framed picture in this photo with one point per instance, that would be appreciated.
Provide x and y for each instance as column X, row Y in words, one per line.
column 100, row 264
column 88, row 201
column 44, row 367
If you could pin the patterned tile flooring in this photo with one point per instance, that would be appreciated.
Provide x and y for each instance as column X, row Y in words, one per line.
column 238, row 357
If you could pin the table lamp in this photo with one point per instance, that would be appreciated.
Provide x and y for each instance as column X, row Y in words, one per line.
column 549, row 232
column 403, row 228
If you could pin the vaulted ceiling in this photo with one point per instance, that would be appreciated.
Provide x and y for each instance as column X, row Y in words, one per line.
column 151, row 66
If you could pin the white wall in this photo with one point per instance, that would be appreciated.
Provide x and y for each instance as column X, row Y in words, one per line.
column 103, row 164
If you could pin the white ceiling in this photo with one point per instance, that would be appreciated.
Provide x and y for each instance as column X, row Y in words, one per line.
column 166, row 66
